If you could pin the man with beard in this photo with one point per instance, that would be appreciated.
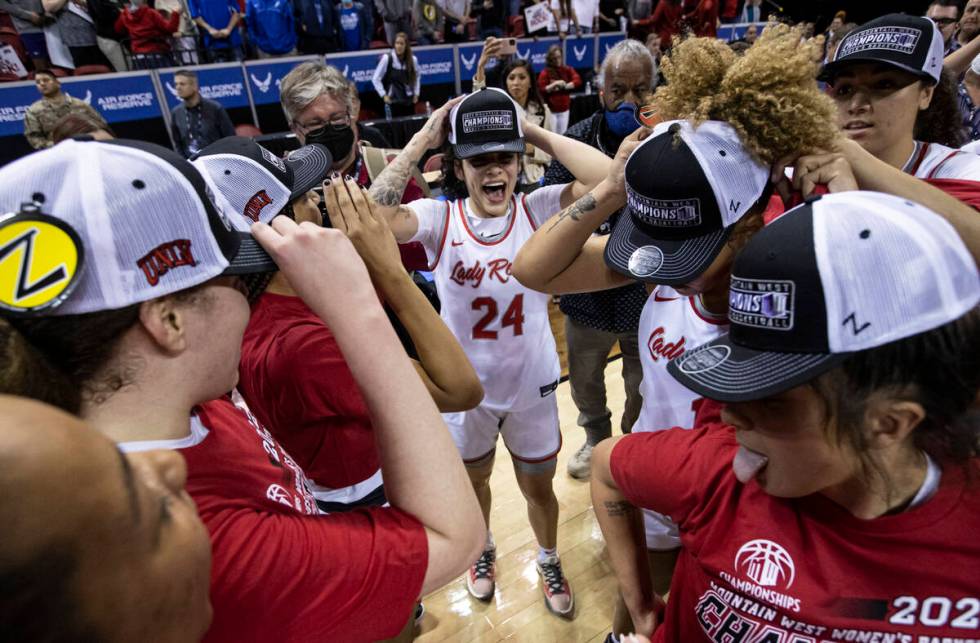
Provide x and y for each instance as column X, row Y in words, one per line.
column 596, row 321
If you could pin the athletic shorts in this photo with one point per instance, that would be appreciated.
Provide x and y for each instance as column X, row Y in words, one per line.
column 531, row 435
column 661, row 531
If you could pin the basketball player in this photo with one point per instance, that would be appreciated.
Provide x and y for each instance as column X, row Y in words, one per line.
column 838, row 500
column 503, row 327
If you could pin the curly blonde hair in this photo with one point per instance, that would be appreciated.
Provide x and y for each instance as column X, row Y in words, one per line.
column 769, row 95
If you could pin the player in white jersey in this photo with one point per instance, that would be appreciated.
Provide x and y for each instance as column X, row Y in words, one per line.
column 471, row 241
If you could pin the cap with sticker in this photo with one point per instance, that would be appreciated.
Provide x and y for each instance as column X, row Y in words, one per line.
column 843, row 273
column 484, row 122
column 706, row 181
column 910, row 43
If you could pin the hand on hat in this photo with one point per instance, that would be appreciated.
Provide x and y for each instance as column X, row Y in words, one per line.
column 831, row 169
column 352, row 211
column 436, row 128
column 320, row 264
column 617, row 169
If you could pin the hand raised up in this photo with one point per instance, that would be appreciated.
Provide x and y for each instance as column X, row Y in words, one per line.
column 352, row 211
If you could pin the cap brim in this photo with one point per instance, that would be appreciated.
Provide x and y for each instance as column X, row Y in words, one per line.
column 682, row 260
column 310, row 165
column 468, row 150
column 830, row 70
column 723, row 371
column 250, row 258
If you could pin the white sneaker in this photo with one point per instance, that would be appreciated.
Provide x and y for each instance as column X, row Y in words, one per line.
column 580, row 464
column 557, row 592
column 480, row 577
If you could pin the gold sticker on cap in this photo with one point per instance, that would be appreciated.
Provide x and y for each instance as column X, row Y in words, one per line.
column 40, row 261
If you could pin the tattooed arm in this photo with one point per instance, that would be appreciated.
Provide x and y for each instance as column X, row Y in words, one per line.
column 388, row 187
column 622, row 527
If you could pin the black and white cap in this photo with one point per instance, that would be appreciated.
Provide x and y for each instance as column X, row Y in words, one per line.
column 484, row 122
column 686, row 188
column 92, row 226
column 841, row 273
column 911, row 43
column 253, row 184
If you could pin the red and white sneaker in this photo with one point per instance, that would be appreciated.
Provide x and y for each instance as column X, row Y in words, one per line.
column 557, row 592
column 480, row 577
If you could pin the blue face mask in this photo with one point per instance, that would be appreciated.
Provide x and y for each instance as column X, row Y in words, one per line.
column 622, row 121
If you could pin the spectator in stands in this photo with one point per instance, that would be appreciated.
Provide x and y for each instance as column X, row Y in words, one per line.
column 219, row 20
column 751, row 33
column 78, row 124
column 587, row 12
column 556, row 82
column 703, row 19
column 666, row 19
column 969, row 24
column 429, row 20
column 197, row 121
column 365, row 133
column 640, row 9
column 354, row 26
column 611, row 14
column 397, row 16
column 562, row 18
column 397, row 79
column 105, row 13
column 945, row 13
column 752, row 11
column 76, row 28
column 834, row 41
column 149, row 34
column 490, row 18
column 317, row 22
column 29, row 19
column 520, row 85
column 184, row 46
column 42, row 116
column 271, row 27
column 81, row 521
column 457, row 19
column 492, row 77
column 969, row 94
column 595, row 321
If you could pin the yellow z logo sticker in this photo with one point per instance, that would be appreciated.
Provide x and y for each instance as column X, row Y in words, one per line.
column 40, row 260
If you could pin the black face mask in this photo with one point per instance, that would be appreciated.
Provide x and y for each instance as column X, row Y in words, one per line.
column 337, row 141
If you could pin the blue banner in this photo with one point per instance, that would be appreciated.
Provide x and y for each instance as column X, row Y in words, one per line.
column 469, row 56
column 357, row 67
column 15, row 98
column 222, row 83
column 580, row 52
column 535, row 51
column 436, row 64
column 119, row 97
column 264, row 77
column 607, row 41
column 737, row 30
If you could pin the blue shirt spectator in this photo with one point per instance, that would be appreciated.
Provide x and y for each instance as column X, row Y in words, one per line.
column 219, row 15
column 353, row 26
column 316, row 22
column 271, row 26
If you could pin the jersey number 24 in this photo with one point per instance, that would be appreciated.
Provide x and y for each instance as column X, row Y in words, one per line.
column 513, row 316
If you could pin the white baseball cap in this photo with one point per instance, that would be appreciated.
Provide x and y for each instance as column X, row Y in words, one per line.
column 839, row 274
column 89, row 226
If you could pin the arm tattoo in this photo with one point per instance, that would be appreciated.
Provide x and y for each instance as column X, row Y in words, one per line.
column 389, row 186
column 617, row 509
column 586, row 203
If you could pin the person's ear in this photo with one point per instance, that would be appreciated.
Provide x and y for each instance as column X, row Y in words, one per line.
column 458, row 170
column 165, row 323
column 890, row 421
column 926, row 92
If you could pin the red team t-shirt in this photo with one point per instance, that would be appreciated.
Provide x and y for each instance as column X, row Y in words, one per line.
column 313, row 405
column 280, row 571
column 759, row 569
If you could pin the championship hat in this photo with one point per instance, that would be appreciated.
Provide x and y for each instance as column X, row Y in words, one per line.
column 841, row 273
column 686, row 188
column 252, row 183
column 911, row 43
column 90, row 226
column 484, row 122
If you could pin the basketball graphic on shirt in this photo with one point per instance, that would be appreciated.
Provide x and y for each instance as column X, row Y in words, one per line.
column 766, row 563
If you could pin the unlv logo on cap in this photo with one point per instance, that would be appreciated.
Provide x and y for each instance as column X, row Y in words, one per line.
column 164, row 258
column 254, row 206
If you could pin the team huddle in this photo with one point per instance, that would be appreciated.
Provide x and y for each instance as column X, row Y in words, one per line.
column 185, row 342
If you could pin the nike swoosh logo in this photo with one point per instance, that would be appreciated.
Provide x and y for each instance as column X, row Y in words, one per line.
column 457, row 243
column 657, row 297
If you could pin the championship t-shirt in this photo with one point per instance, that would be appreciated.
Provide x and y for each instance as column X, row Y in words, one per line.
column 281, row 572
column 760, row 569
column 295, row 379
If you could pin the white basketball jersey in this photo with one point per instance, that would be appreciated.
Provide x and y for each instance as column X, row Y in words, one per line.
column 502, row 326
column 935, row 161
column 669, row 325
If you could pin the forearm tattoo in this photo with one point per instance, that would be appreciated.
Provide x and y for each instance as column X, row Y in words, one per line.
column 389, row 186
column 617, row 509
column 586, row 203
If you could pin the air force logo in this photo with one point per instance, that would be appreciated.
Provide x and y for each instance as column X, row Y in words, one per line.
column 264, row 84
column 468, row 64
column 579, row 53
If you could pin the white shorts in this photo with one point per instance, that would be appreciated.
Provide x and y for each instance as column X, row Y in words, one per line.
column 662, row 533
column 531, row 435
